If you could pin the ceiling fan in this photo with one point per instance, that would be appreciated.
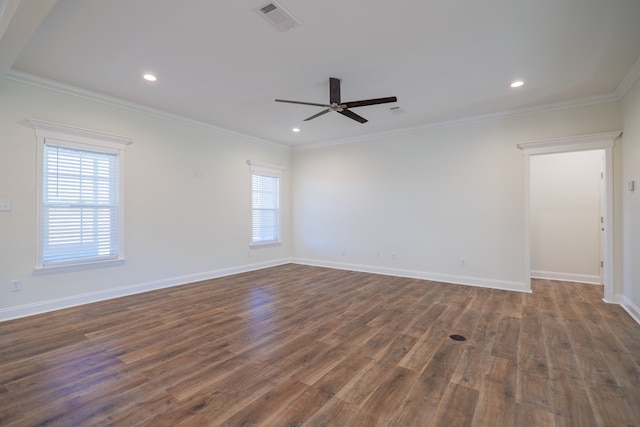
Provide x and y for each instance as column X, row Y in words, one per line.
column 335, row 104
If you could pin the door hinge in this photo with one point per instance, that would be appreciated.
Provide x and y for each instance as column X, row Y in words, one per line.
column 601, row 264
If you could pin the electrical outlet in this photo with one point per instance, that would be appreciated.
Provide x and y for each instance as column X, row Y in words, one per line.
column 393, row 256
column 342, row 252
column 463, row 262
column 15, row 285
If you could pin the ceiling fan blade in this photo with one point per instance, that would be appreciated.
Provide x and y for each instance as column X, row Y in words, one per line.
column 334, row 90
column 353, row 116
column 366, row 102
column 303, row 103
column 317, row 115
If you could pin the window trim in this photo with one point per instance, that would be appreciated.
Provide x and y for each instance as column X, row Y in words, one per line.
column 266, row 170
column 79, row 138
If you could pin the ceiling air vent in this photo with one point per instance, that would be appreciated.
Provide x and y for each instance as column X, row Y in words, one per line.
column 277, row 16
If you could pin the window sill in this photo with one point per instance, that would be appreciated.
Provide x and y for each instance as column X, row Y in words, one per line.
column 78, row 266
column 264, row 245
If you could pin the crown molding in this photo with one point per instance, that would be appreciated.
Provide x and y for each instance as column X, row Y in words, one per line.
column 55, row 86
column 464, row 121
column 629, row 80
column 632, row 76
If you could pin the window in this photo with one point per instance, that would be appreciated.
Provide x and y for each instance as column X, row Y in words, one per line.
column 79, row 205
column 79, row 196
column 265, row 204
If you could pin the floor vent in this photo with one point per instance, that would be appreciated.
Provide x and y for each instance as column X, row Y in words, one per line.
column 277, row 16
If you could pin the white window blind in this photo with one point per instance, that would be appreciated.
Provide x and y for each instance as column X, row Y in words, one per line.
column 80, row 205
column 265, row 208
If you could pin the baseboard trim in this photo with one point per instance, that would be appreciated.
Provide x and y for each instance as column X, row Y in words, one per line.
column 414, row 274
column 617, row 299
column 631, row 308
column 75, row 300
column 566, row 277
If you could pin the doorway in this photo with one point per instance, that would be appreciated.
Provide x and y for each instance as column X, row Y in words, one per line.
column 567, row 215
column 604, row 142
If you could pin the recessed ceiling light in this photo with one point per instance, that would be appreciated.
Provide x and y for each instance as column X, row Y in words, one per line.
column 296, row 129
column 517, row 83
column 149, row 77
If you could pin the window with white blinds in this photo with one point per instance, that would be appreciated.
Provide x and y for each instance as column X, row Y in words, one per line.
column 80, row 197
column 80, row 205
column 265, row 206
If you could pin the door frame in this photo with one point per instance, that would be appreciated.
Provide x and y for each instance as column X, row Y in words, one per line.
column 603, row 214
column 600, row 141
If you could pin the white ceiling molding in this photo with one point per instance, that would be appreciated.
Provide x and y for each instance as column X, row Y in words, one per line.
column 52, row 85
column 438, row 79
column 464, row 121
column 632, row 76
column 131, row 106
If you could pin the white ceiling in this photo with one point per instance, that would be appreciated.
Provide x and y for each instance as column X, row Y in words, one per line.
column 221, row 64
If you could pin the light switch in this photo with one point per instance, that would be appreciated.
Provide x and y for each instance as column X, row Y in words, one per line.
column 5, row 205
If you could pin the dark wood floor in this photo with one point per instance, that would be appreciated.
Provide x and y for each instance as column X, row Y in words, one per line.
column 298, row 345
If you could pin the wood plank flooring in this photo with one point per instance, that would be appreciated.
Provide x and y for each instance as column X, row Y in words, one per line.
column 298, row 345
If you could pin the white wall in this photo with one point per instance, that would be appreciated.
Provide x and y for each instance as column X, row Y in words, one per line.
column 429, row 199
column 565, row 215
column 178, row 227
column 631, row 200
